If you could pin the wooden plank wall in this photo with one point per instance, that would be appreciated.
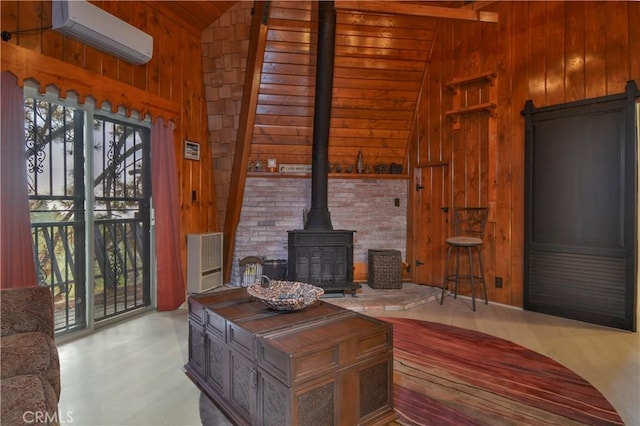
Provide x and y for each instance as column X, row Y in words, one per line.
column 550, row 52
column 174, row 74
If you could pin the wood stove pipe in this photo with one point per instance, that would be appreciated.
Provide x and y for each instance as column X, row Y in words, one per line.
column 318, row 217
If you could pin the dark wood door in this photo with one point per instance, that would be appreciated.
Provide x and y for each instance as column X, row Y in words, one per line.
column 580, row 210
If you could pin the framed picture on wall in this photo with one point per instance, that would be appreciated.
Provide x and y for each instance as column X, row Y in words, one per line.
column 191, row 150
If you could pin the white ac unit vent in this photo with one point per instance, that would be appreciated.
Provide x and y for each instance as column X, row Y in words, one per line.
column 91, row 25
column 204, row 262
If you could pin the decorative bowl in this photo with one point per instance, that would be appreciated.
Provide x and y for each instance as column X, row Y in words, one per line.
column 286, row 295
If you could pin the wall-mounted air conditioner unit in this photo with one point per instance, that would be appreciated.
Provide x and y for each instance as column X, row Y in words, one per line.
column 204, row 262
column 91, row 25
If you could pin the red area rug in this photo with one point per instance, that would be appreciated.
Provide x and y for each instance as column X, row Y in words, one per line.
column 446, row 375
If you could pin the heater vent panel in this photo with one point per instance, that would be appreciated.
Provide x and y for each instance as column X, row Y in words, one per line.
column 204, row 262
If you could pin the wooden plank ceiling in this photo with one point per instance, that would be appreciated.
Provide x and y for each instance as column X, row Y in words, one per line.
column 379, row 64
column 199, row 14
column 382, row 50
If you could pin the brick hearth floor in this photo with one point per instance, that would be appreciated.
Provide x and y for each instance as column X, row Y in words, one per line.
column 369, row 299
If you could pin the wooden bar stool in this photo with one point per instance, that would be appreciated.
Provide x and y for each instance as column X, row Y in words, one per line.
column 469, row 224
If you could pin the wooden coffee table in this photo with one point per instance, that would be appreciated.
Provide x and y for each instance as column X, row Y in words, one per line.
column 321, row 365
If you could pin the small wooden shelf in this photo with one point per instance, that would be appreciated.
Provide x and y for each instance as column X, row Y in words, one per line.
column 487, row 81
column 277, row 175
column 489, row 76
column 489, row 107
column 367, row 176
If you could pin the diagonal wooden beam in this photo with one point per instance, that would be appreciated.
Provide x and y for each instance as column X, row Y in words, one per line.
column 253, row 75
column 412, row 9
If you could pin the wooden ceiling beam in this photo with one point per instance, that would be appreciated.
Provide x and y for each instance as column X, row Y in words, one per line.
column 477, row 5
column 413, row 9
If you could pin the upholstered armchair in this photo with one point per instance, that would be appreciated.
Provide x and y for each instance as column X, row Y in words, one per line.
column 30, row 381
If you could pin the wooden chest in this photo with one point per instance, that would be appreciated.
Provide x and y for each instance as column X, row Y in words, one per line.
column 323, row 365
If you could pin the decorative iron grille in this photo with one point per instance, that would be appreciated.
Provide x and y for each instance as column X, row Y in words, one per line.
column 55, row 152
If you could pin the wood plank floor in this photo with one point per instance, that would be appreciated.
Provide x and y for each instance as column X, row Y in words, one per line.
column 131, row 373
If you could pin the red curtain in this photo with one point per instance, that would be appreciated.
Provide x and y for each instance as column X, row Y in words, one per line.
column 164, row 178
column 17, row 266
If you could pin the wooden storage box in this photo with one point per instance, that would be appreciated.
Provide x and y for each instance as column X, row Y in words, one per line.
column 321, row 365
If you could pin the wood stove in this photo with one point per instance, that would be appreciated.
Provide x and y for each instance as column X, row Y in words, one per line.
column 318, row 254
column 322, row 258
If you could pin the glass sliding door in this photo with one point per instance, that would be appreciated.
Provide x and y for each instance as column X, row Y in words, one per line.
column 55, row 172
column 121, row 217
column 90, row 202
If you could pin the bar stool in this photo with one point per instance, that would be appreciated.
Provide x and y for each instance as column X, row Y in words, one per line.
column 469, row 224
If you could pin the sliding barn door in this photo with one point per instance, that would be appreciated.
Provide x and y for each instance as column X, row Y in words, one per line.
column 580, row 210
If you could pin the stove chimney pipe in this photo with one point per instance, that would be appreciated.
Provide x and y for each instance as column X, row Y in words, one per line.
column 318, row 217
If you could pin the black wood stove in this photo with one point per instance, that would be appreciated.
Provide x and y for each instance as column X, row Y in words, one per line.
column 318, row 254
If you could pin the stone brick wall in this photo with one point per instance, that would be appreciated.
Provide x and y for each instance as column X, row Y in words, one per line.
column 274, row 205
column 225, row 46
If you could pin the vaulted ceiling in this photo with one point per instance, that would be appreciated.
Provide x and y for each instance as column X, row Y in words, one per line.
column 203, row 13
column 381, row 52
column 382, row 49
column 199, row 13
column 378, row 68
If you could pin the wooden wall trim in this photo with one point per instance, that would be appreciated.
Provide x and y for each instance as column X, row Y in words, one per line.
column 257, row 43
column 27, row 64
